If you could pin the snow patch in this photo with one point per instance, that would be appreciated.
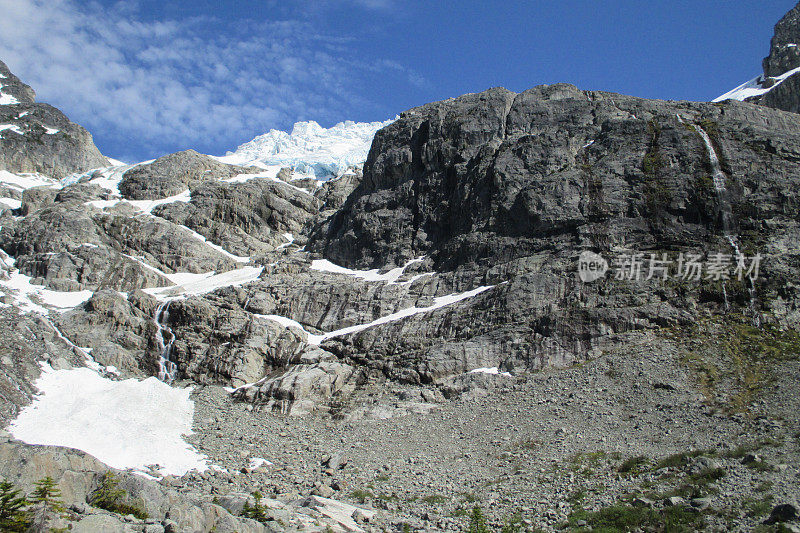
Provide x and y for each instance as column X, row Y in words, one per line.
column 290, row 240
column 12, row 127
column 258, row 462
column 754, row 88
column 147, row 206
column 26, row 295
column 391, row 276
column 208, row 283
column 220, row 249
column 10, row 203
column 26, row 181
column 310, row 148
column 125, row 424
column 495, row 371
column 270, row 174
column 7, row 99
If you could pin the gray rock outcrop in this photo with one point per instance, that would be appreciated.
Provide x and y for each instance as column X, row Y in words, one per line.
column 174, row 173
column 784, row 54
column 42, row 139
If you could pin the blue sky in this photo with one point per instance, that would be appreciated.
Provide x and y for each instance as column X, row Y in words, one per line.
column 151, row 77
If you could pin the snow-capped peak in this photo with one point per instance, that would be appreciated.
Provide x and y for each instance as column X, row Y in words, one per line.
column 310, row 148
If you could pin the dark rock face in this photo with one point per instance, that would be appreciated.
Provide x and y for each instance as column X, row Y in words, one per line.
column 174, row 173
column 785, row 96
column 784, row 54
column 504, row 189
column 494, row 177
column 43, row 139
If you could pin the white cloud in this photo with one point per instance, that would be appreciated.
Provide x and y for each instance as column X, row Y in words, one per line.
column 375, row 4
column 164, row 85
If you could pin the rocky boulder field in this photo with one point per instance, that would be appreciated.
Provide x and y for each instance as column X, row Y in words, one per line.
column 491, row 325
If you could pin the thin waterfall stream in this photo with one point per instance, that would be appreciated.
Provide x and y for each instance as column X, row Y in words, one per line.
column 719, row 178
column 164, row 341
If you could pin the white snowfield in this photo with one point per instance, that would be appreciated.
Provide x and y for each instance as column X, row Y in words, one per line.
column 310, row 148
column 126, row 424
column 145, row 206
column 10, row 203
column 271, row 173
column 195, row 284
column 754, row 88
column 258, row 462
column 391, row 276
column 438, row 303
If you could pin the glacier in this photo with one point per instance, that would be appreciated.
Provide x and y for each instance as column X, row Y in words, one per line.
column 310, row 149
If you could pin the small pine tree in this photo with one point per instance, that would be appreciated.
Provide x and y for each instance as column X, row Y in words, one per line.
column 14, row 515
column 477, row 522
column 107, row 495
column 258, row 511
column 47, row 493
column 110, row 496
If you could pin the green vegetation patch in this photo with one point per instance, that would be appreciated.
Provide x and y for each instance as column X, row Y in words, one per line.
column 110, row 496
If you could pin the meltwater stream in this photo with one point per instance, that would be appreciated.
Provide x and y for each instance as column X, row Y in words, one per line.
column 718, row 175
column 727, row 214
column 166, row 368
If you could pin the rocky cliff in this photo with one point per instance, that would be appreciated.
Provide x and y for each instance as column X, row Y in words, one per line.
column 36, row 137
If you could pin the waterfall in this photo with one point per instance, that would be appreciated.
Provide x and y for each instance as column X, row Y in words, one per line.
column 716, row 168
column 166, row 368
column 727, row 214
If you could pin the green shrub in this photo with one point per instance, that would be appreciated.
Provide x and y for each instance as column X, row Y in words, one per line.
column 633, row 465
column 624, row 518
column 361, row 496
column 435, row 499
column 109, row 496
column 680, row 459
column 513, row 525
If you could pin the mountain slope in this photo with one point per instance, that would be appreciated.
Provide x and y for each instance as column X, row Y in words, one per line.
column 500, row 312
column 37, row 137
